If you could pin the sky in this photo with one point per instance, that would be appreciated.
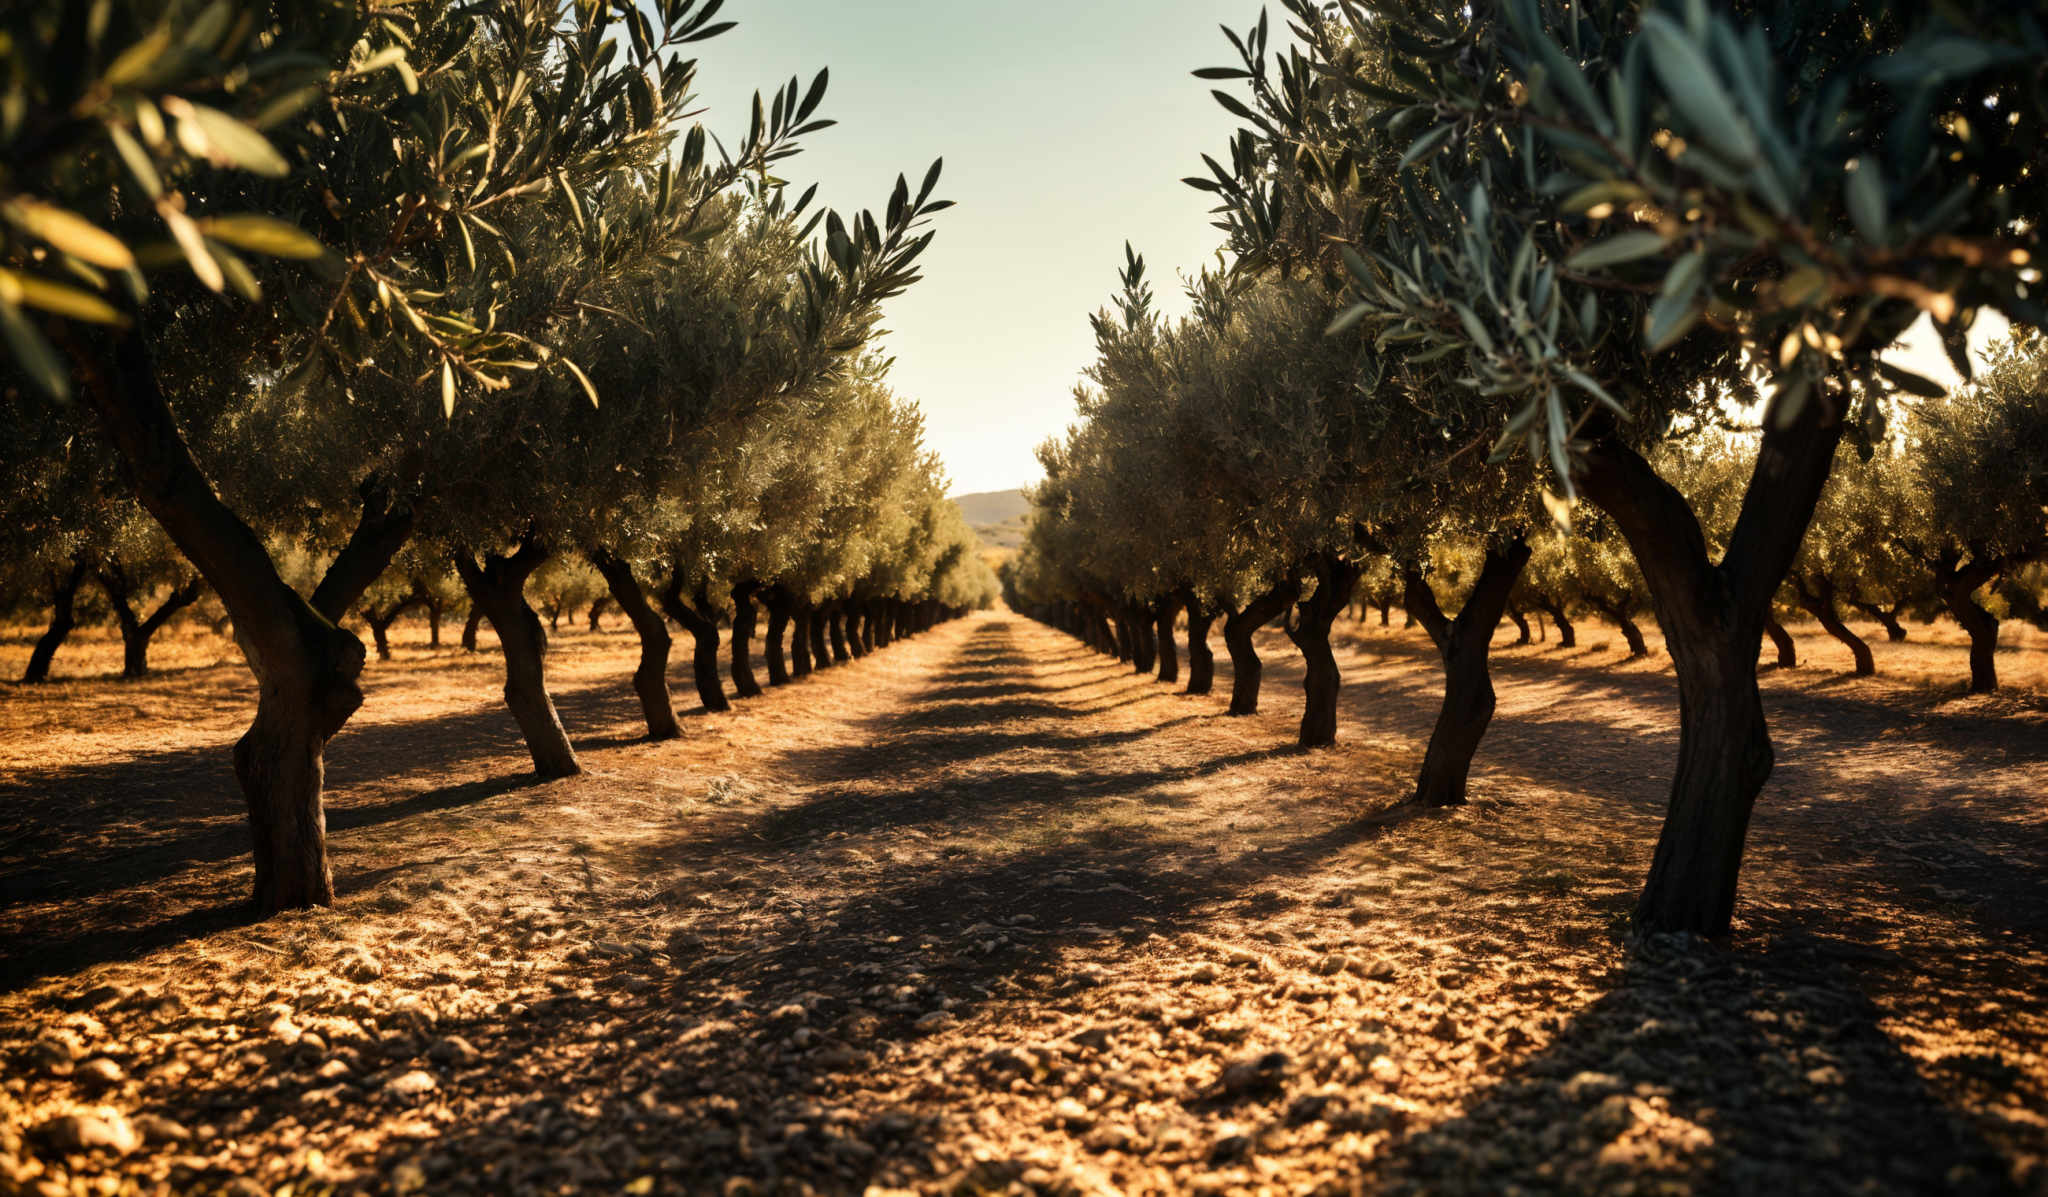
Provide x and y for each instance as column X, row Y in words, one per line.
column 1066, row 126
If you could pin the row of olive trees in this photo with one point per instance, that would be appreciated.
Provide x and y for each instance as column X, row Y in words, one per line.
column 1538, row 241
column 458, row 282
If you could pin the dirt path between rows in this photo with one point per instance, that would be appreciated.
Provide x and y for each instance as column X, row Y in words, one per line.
column 987, row 913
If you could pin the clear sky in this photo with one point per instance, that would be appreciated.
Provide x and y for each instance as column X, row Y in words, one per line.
column 1066, row 126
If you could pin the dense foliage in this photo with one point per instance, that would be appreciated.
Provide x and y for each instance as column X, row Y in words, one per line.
column 384, row 305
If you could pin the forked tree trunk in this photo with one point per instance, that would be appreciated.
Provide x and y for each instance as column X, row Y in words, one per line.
column 780, row 605
column 1335, row 580
column 470, row 624
column 1713, row 617
column 1886, row 617
column 380, row 632
column 137, row 629
column 1521, row 623
column 1163, row 613
column 1957, row 583
column 64, row 589
column 821, row 648
column 1817, row 598
column 1465, row 647
column 1622, row 619
column 1201, row 659
column 800, row 641
column 700, row 619
column 743, row 618
column 498, row 585
column 1788, row 649
column 1245, row 667
column 306, row 666
column 650, row 677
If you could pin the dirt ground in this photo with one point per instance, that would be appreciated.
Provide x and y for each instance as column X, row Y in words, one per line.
column 987, row 913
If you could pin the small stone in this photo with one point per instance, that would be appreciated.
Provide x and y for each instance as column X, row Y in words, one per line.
column 155, row 1128
column 1332, row 964
column 91, row 1132
column 1256, row 1074
column 283, row 1029
column 455, row 1051
column 103, row 996
column 101, row 1072
column 933, row 1021
column 1378, row 970
column 243, row 1186
column 1384, row 1070
column 1071, row 1112
column 333, row 1070
column 1201, row 974
column 1110, row 1136
column 1231, row 1147
column 411, row 1086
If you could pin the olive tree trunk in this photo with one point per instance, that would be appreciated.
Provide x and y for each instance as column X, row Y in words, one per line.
column 1246, row 669
column 1788, row 649
column 470, row 626
column 305, row 665
column 699, row 618
column 743, row 618
column 137, row 628
column 650, row 676
column 1164, row 613
column 64, row 589
column 498, row 585
column 1713, row 616
column 1465, row 647
column 821, row 648
column 1310, row 631
column 780, row 605
column 1958, row 582
column 1201, row 659
column 1817, row 598
column 800, row 640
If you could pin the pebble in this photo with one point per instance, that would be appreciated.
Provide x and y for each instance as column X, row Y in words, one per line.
column 1384, row 1070
column 101, row 1072
column 1586, row 1086
column 155, row 1128
column 1255, row 1074
column 454, row 1050
column 91, row 1132
column 411, row 1085
column 1072, row 1112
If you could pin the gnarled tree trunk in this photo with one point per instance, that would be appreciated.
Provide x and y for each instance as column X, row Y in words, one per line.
column 1316, row 614
column 498, row 585
column 64, row 589
column 743, row 682
column 1201, row 659
column 821, row 648
column 1788, row 649
column 699, row 618
column 306, row 666
column 1817, row 598
column 1465, row 647
column 1957, row 583
column 470, row 624
column 780, row 606
column 138, row 629
column 1163, row 614
column 1624, row 619
column 1521, row 623
column 650, row 677
column 1713, row 617
column 800, row 640
column 1245, row 667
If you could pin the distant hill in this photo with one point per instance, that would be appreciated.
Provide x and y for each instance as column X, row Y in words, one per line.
column 997, row 516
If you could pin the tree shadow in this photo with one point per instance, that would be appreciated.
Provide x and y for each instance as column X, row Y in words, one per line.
column 1705, row 1071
